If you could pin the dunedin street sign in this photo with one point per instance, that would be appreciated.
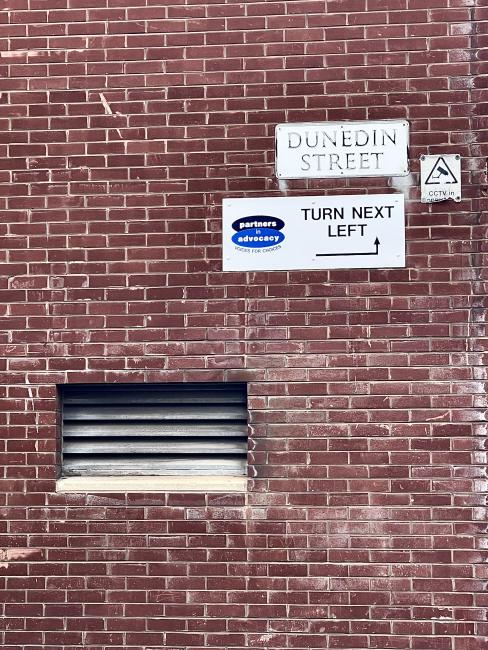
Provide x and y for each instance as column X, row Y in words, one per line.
column 342, row 149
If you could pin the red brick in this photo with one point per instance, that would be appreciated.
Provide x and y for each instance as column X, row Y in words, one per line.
column 366, row 409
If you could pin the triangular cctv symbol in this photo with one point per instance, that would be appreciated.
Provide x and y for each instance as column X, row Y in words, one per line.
column 440, row 174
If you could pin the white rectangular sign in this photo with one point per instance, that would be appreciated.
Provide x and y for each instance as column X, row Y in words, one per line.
column 342, row 149
column 314, row 232
column 440, row 178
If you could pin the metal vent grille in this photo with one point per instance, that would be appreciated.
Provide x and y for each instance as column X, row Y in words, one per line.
column 154, row 429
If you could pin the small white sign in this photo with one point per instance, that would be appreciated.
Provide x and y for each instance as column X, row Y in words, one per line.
column 342, row 149
column 314, row 232
column 440, row 178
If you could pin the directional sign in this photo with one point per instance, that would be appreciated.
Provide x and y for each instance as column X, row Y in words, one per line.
column 314, row 232
column 440, row 178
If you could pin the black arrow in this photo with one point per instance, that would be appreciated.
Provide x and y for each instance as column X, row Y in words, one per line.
column 376, row 243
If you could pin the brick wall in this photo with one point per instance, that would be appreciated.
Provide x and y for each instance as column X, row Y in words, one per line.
column 123, row 125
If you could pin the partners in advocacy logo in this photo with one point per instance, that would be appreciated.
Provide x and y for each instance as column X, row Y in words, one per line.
column 258, row 233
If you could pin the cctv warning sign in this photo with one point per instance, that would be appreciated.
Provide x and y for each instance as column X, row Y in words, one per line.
column 440, row 178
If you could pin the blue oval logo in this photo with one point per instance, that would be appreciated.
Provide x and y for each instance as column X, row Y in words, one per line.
column 258, row 237
column 258, row 221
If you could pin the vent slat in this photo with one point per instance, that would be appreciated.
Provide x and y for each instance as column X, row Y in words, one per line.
column 152, row 412
column 158, row 397
column 190, row 447
column 133, row 429
column 153, row 466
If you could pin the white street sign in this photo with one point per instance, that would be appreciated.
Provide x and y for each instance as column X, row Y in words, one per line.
column 440, row 178
column 314, row 232
column 342, row 149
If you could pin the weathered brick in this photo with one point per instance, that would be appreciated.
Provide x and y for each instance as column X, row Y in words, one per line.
column 124, row 127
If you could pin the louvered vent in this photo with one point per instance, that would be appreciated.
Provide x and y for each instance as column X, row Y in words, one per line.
column 154, row 429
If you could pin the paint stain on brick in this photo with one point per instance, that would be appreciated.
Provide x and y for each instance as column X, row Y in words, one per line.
column 13, row 554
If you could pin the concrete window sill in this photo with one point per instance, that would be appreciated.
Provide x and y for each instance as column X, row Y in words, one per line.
column 152, row 484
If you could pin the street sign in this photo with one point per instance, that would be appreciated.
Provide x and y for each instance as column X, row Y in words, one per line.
column 342, row 149
column 314, row 232
column 440, row 178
